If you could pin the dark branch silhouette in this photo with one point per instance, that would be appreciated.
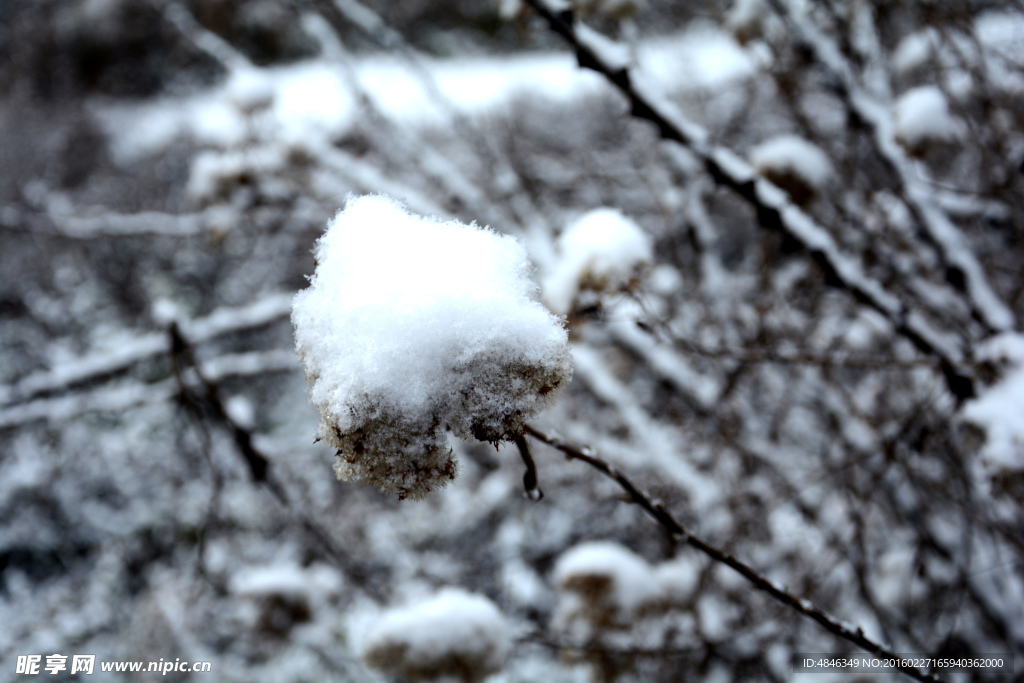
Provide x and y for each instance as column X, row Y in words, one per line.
column 663, row 517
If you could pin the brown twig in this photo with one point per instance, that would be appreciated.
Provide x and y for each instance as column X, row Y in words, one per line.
column 679, row 534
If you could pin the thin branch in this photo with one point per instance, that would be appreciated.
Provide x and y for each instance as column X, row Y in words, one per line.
column 204, row 39
column 774, row 209
column 658, row 512
column 102, row 364
column 956, row 257
column 208, row 399
column 533, row 491
column 209, row 396
column 371, row 24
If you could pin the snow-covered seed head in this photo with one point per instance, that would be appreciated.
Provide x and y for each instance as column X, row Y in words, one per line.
column 415, row 327
column 454, row 635
column 608, row 587
column 923, row 120
column 991, row 424
column 794, row 164
column 602, row 250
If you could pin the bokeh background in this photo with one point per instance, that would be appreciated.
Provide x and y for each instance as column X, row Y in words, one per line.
column 165, row 168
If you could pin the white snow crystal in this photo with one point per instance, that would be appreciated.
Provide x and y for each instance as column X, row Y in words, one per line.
column 611, row 584
column 455, row 634
column 600, row 250
column 794, row 164
column 414, row 326
column 922, row 118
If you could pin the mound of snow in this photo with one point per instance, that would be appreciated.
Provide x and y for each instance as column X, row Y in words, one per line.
column 922, row 118
column 600, row 250
column 412, row 327
column 794, row 164
column 455, row 634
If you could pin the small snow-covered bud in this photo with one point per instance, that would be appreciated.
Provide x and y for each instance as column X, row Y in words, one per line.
column 608, row 585
column 914, row 51
column 454, row 635
column 601, row 250
column 794, row 164
column 923, row 119
column 413, row 327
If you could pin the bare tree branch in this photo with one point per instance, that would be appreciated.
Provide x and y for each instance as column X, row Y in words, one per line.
column 774, row 210
column 658, row 512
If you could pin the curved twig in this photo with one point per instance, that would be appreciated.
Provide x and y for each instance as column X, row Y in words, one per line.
column 679, row 534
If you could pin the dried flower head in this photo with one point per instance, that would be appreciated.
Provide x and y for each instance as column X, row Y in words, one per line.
column 413, row 327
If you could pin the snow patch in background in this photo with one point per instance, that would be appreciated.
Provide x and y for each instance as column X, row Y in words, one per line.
column 792, row 156
column 922, row 118
column 316, row 97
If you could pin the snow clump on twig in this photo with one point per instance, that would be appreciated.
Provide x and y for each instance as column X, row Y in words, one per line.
column 794, row 164
column 412, row 327
column 923, row 120
column 455, row 634
column 604, row 586
column 601, row 250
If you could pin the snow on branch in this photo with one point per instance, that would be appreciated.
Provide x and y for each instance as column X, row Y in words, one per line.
column 117, row 398
column 774, row 208
column 221, row 321
column 913, row 127
column 413, row 327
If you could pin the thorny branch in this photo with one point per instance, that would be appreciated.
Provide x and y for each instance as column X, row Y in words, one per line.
column 774, row 210
column 663, row 517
